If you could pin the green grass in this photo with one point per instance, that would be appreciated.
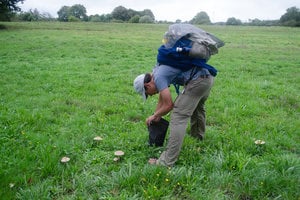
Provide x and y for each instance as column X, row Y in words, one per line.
column 62, row 84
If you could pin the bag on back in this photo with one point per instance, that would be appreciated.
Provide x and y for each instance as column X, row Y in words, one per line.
column 186, row 46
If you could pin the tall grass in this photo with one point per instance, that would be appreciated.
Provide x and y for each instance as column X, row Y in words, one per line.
column 62, row 84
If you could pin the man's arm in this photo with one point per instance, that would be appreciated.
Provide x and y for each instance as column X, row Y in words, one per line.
column 164, row 106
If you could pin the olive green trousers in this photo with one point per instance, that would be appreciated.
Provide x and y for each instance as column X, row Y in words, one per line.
column 189, row 105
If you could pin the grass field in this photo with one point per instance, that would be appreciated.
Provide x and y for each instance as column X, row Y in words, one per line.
column 62, row 84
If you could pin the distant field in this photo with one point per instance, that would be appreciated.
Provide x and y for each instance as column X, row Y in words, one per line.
column 62, row 84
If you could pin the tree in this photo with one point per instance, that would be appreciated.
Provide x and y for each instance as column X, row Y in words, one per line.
column 233, row 21
column 30, row 15
column 7, row 8
column 146, row 19
column 131, row 13
column 257, row 22
column 291, row 17
column 100, row 18
column 147, row 12
column 135, row 19
column 201, row 18
column 123, row 14
column 254, row 22
column 95, row 18
column 120, row 13
column 71, row 18
column 78, row 11
column 34, row 15
column 63, row 14
column 67, row 13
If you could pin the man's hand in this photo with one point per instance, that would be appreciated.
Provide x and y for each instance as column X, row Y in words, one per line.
column 152, row 118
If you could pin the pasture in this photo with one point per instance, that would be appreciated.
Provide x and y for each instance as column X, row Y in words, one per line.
column 62, row 84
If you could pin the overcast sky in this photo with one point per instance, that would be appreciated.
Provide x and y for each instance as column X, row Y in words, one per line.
column 171, row 10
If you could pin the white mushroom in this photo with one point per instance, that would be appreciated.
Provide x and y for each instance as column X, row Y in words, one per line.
column 259, row 142
column 119, row 153
column 65, row 159
column 116, row 159
column 98, row 138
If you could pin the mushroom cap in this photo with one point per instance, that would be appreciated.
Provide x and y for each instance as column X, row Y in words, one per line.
column 119, row 153
column 259, row 142
column 65, row 159
column 98, row 138
column 116, row 159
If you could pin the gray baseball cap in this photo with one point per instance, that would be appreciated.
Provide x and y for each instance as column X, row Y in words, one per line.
column 139, row 87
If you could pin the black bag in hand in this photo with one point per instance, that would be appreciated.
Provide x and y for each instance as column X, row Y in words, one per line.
column 157, row 132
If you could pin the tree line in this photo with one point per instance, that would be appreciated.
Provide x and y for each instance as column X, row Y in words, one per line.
column 9, row 11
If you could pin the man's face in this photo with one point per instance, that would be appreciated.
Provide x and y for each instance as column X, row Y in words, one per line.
column 150, row 88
